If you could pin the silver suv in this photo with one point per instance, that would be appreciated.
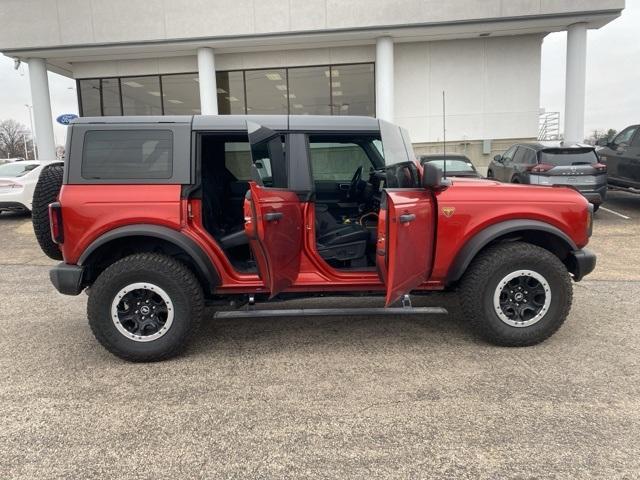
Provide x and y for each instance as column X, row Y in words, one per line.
column 576, row 166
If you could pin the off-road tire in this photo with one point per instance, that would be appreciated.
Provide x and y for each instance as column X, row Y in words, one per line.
column 483, row 277
column 46, row 192
column 174, row 278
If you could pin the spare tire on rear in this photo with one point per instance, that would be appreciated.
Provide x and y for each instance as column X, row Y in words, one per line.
column 46, row 192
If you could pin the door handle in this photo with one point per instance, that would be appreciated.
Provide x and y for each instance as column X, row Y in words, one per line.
column 273, row 216
column 407, row 217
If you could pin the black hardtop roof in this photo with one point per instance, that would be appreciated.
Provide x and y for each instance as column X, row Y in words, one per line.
column 238, row 122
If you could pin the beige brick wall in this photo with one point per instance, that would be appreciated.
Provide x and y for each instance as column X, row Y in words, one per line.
column 472, row 149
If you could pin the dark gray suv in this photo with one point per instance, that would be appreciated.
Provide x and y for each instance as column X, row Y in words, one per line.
column 576, row 166
column 622, row 156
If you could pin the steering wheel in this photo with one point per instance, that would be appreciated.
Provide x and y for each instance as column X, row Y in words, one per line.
column 355, row 181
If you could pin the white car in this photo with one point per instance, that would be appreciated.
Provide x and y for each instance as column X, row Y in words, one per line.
column 17, row 183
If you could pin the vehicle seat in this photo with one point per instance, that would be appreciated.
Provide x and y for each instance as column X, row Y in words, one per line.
column 339, row 241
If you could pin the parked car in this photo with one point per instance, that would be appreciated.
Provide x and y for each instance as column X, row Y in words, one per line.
column 456, row 165
column 158, row 216
column 17, row 183
column 553, row 163
column 622, row 156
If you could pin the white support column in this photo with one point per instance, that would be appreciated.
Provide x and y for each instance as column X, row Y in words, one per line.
column 41, row 109
column 207, row 81
column 384, row 78
column 575, row 82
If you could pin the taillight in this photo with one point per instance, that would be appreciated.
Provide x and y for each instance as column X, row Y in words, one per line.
column 541, row 168
column 55, row 220
column 600, row 167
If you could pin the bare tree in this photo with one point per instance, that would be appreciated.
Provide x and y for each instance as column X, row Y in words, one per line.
column 15, row 140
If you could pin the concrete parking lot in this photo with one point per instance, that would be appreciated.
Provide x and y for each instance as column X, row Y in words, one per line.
column 406, row 397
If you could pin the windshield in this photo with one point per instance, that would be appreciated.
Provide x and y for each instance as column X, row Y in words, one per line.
column 566, row 158
column 452, row 165
column 16, row 169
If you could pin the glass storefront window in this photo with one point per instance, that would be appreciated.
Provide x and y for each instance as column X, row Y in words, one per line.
column 111, row 97
column 141, row 95
column 90, row 98
column 267, row 92
column 352, row 89
column 309, row 91
column 181, row 94
column 320, row 90
column 231, row 99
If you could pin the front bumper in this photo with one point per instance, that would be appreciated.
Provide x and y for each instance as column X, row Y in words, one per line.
column 581, row 263
column 13, row 206
column 67, row 278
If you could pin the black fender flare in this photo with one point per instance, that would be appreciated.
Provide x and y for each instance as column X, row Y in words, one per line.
column 481, row 239
column 200, row 259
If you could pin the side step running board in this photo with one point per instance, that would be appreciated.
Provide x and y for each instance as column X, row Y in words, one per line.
column 326, row 312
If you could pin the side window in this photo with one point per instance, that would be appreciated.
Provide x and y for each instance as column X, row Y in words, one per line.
column 336, row 159
column 127, row 154
column 508, row 155
column 530, row 157
column 624, row 137
column 237, row 159
column 518, row 157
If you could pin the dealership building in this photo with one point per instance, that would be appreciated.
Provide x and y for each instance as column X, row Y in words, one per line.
column 384, row 58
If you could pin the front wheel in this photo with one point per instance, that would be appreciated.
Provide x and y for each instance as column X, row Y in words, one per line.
column 516, row 294
column 145, row 307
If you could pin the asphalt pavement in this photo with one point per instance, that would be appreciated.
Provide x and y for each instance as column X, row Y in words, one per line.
column 344, row 397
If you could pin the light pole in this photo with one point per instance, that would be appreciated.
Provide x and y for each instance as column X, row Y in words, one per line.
column 33, row 133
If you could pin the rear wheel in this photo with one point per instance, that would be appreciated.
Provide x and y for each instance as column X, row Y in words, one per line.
column 516, row 294
column 145, row 307
column 46, row 192
column 595, row 207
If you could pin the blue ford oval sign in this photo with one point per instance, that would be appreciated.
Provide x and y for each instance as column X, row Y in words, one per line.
column 66, row 118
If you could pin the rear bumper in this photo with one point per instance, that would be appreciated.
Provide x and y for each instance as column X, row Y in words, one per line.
column 596, row 195
column 13, row 206
column 581, row 263
column 67, row 278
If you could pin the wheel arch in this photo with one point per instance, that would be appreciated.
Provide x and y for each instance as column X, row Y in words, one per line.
column 130, row 239
column 531, row 231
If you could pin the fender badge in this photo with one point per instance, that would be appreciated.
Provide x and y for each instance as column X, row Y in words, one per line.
column 448, row 211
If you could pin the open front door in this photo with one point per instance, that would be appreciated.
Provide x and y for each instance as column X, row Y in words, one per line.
column 273, row 214
column 404, row 252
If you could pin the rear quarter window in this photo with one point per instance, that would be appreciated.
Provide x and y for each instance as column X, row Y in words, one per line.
column 127, row 154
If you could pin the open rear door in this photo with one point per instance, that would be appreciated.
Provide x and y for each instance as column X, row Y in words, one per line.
column 273, row 216
column 404, row 252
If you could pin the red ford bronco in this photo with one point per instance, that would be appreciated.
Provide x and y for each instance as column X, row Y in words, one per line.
column 158, row 217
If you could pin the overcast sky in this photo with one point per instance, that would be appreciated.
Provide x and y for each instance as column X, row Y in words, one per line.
column 613, row 78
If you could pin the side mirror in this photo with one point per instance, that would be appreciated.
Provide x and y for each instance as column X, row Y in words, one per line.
column 431, row 176
column 498, row 158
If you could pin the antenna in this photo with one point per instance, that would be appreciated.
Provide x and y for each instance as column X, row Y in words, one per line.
column 444, row 139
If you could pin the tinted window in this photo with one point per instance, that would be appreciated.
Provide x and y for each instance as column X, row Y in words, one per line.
column 567, row 158
column 181, row 94
column 625, row 136
column 267, row 92
column 453, row 165
column 111, row 97
column 337, row 159
column 508, row 155
column 530, row 157
column 237, row 159
column 352, row 89
column 518, row 157
column 230, row 93
column 90, row 98
column 309, row 91
column 127, row 154
column 141, row 96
